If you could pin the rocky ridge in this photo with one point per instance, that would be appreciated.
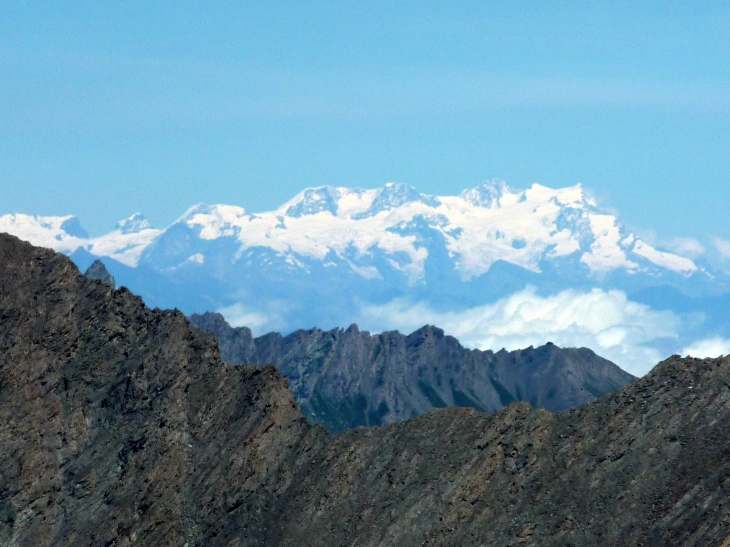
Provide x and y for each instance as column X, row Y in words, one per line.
column 121, row 425
column 348, row 378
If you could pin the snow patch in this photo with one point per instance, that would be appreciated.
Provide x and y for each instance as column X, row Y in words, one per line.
column 366, row 272
column 49, row 232
column 606, row 254
column 197, row 258
column 665, row 260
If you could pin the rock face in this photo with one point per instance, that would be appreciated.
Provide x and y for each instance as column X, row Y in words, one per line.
column 121, row 425
column 347, row 378
column 97, row 270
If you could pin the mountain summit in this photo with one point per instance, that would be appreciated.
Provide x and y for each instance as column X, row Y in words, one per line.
column 99, row 272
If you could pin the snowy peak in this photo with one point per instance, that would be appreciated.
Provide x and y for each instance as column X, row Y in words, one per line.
column 496, row 193
column 63, row 233
column 214, row 221
column 134, row 224
column 354, row 203
column 315, row 200
column 488, row 194
column 395, row 195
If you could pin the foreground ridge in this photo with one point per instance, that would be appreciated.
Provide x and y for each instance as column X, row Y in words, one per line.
column 121, row 425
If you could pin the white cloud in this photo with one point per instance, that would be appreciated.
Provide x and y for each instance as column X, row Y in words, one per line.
column 685, row 246
column 711, row 347
column 258, row 321
column 238, row 316
column 625, row 332
column 722, row 246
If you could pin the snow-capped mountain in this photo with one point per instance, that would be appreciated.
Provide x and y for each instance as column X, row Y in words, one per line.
column 331, row 255
column 481, row 226
column 65, row 234
column 478, row 228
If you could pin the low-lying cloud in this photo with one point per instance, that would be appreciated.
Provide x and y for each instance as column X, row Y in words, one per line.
column 685, row 246
column 616, row 328
column 632, row 335
column 711, row 347
column 259, row 321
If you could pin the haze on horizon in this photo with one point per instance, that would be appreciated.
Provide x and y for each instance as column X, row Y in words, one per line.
column 111, row 109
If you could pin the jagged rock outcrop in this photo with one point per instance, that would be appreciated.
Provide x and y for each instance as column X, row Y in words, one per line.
column 121, row 425
column 98, row 271
column 347, row 378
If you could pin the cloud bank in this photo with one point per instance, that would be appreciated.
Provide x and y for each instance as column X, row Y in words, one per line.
column 609, row 323
column 632, row 335
column 259, row 321
column 711, row 347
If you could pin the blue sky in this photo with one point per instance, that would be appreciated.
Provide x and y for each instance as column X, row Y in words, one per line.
column 109, row 108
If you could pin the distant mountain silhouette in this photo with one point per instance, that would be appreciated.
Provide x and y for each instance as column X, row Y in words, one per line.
column 347, row 378
column 98, row 271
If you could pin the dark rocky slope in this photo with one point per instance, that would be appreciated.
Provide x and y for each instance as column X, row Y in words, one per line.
column 347, row 378
column 121, row 425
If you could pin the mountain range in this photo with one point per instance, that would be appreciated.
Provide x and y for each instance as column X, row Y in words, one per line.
column 494, row 266
column 122, row 425
column 348, row 378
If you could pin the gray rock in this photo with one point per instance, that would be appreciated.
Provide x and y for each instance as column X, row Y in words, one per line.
column 348, row 378
column 98, row 271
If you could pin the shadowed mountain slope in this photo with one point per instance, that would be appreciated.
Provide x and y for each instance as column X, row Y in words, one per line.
column 98, row 271
column 121, row 425
column 347, row 378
